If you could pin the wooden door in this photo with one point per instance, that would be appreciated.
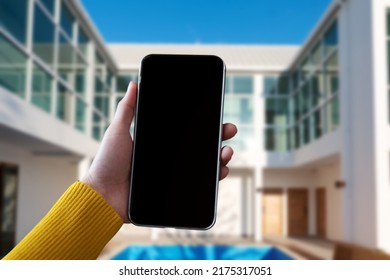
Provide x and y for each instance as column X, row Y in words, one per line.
column 272, row 212
column 297, row 212
column 321, row 212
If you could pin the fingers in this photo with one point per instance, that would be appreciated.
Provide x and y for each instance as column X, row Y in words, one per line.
column 125, row 110
column 228, row 131
column 224, row 172
column 226, row 155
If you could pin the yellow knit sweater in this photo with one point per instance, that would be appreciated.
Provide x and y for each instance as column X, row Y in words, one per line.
column 78, row 227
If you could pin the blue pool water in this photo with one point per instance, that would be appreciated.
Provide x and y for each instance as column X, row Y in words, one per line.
column 201, row 252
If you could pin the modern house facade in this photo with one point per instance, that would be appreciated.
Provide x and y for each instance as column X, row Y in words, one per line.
column 312, row 152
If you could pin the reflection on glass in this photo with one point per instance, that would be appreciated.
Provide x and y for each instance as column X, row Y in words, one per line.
column 13, row 18
column 122, row 81
column 82, row 41
column 305, row 131
column 238, row 110
column 317, row 85
column 80, row 82
column 297, row 113
column 243, row 84
column 43, row 36
column 80, row 114
column 276, row 139
column 333, row 114
column 49, row 4
column 297, row 136
column 64, row 103
column 66, row 20
column 41, row 89
column 269, row 85
column 276, row 112
column 12, row 68
column 97, row 127
column 331, row 37
column 332, row 74
column 305, row 99
column 101, row 97
column 318, row 123
column 317, row 54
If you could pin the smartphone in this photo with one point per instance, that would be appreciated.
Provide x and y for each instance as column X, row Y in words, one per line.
column 177, row 139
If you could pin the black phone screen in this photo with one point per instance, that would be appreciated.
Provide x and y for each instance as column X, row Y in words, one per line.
column 177, row 139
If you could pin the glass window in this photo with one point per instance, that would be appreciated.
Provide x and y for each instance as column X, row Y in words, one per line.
column 317, row 85
column 99, row 66
column 317, row 124
column 66, row 53
column 242, row 84
column 238, row 110
column 82, row 41
column 305, row 131
column 333, row 119
column 297, row 112
column 101, row 98
column 317, row 54
column 122, row 81
column 41, row 89
column 64, row 103
column 66, row 67
column 297, row 136
column 228, row 86
column 43, row 36
column 283, row 85
column 332, row 74
column 270, row 85
column 306, row 68
column 49, row 4
column 305, row 99
column 80, row 82
column 80, row 114
column 277, row 111
column 13, row 18
column 12, row 68
column 109, row 78
column 331, row 37
column 97, row 127
column 276, row 139
column 67, row 20
column 295, row 79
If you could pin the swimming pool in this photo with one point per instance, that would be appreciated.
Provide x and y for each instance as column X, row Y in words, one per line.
column 201, row 252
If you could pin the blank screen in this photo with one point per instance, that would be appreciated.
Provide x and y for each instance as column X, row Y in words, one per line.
column 177, row 141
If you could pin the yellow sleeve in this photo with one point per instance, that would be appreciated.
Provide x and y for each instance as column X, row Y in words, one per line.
column 77, row 227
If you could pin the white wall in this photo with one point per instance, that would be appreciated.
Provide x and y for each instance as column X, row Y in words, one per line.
column 326, row 176
column 364, row 118
column 42, row 180
column 312, row 178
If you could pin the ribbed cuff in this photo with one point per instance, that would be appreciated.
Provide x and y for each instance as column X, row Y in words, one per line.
column 78, row 226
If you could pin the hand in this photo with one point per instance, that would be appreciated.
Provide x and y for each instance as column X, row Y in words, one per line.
column 110, row 169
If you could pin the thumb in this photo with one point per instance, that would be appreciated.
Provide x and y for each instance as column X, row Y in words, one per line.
column 125, row 110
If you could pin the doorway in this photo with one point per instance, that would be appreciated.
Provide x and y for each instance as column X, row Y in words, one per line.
column 321, row 212
column 297, row 212
column 272, row 212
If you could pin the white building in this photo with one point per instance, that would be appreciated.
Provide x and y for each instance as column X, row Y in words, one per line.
column 312, row 152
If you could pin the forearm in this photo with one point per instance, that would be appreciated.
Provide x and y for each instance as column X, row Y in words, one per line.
column 78, row 226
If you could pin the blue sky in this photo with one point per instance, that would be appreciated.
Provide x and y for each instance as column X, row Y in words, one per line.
column 206, row 21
